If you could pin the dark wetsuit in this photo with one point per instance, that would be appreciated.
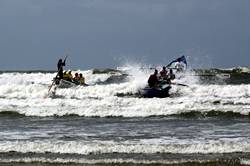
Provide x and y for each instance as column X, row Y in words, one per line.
column 153, row 81
column 60, row 65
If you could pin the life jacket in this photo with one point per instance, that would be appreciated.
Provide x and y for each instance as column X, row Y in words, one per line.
column 68, row 77
column 82, row 80
column 64, row 75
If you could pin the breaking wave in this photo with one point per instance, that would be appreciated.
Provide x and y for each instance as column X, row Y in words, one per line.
column 146, row 147
column 114, row 93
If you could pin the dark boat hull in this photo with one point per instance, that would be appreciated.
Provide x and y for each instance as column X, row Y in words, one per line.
column 153, row 92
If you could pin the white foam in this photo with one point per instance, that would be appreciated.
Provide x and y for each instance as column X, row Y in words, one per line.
column 245, row 161
column 92, row 161
column 26, row 94
column 95, row 147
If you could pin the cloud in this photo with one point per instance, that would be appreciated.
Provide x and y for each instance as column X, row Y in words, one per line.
column 102, row 29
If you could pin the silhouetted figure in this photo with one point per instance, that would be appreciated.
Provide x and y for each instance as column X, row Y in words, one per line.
column 163, row 73
column 171, row 74
column 60, row 65
column 153, row 80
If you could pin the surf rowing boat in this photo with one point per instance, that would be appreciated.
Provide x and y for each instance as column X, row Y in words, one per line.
column 156, row 92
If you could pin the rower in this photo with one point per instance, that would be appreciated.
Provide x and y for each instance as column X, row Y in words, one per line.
column 76, row 78
column 171, row 75
column 68, row 76
column 163, row 73
column 65, row 75
column 81, row 79
column 153, row 80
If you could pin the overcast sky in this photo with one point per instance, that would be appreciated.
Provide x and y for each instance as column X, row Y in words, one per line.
column 34, row 34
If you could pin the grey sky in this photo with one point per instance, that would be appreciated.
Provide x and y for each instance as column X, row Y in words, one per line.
column 109, row 33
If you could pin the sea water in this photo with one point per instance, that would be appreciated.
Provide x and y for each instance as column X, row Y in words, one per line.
column 108, row 123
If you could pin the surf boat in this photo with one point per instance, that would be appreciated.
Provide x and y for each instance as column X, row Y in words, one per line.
column 156, row 92
column 61, row 83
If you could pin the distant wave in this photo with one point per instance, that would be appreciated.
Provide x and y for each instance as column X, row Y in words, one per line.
column 105, row 71
column 26, row 159
column 11, row 114
column 102, row 147
column 212, row 113
column 114, row 79
column 237, row 75
column 238, row 70
column 185, row 114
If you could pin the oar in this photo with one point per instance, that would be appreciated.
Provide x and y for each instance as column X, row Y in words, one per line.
column 52, row 84
column 174, row 83
column 56, row 76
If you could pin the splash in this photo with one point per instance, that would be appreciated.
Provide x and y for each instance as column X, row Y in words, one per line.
column 24, row 93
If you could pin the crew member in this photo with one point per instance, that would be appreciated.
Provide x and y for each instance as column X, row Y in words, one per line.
column 60, row 65
column 163, row 73
column 171, row 75
column 69, row 76
column 81, row 79
column 153, row 80
column 76, row 78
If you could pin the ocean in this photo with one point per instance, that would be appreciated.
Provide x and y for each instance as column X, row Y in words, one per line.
column 206, row 122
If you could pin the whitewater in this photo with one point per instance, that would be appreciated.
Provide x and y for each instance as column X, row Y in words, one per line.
column 27, row 94
column 107, row 122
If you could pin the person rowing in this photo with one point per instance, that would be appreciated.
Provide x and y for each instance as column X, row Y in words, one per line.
column 153, row 81
column 76, row 78
column 166, row 77
column 171, row 74
column 163, row 73
column 68, row 76
column 79, row 79
column 82, row 80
